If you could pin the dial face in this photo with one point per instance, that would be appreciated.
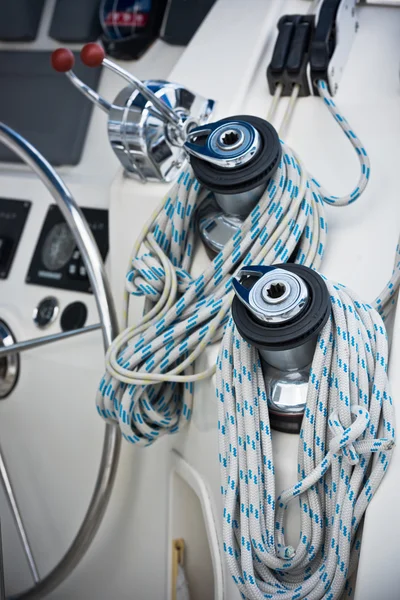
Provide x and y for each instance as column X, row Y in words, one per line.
column 58, row 247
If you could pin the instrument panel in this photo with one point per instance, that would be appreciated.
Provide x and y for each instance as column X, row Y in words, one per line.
column 57, row 261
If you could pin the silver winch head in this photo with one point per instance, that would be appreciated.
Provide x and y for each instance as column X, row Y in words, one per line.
column 230, row 145
column 278, row 296
column 148, row 122
column 280, row 311
column 233, row 158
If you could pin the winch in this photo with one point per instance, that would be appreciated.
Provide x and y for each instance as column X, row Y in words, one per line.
column 280, row 310
column 234, row 158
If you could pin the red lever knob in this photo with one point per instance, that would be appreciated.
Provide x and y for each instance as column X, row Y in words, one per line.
column 62, row 60
column 92, row 55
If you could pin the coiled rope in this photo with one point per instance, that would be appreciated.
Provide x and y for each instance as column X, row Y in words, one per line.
column 348, row 416
column 148, row 385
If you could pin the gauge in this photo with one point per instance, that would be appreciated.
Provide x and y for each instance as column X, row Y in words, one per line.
column 58, row 247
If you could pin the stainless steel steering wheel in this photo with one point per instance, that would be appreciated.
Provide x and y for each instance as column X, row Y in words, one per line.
column 112, row 439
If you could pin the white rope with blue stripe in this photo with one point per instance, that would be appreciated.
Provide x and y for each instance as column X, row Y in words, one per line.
column 148, row 385
column 348, row 417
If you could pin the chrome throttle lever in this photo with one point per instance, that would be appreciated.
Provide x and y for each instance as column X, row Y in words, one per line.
column 148, row 121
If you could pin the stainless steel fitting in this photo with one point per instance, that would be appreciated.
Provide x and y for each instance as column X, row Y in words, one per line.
column 280, row 310
column 228, row 146
column 234, row 158
column 148, row 122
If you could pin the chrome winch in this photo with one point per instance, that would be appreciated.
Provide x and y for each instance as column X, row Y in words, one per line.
column 234, row 158
column 280, row 310
column 148, row 121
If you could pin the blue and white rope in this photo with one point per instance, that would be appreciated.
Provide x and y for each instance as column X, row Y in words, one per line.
column 348, row 417
column 387, row 298
column 355, row 142
column 148, row 386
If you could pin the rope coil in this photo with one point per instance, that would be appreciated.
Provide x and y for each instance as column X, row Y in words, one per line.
column 336, row 477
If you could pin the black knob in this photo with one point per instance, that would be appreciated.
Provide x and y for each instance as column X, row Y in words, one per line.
column 74, row 316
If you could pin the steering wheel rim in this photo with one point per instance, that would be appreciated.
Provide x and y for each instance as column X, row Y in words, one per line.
column 106, row 309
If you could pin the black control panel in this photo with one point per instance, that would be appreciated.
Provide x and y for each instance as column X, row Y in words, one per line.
column 13, row 215
column 57, row 262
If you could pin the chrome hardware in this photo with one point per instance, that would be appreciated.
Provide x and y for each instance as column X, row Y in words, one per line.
column 9, row 364
column 147, row 147
column 280, row 311
column 278, row 296
column 286, row 389
column 219, row 221
column 228, row 146
column 216, row 228
column 9, row 350
column 241, row 204
column 293, row 359
column 105, row 306
column 233, row 158
column 148, row 121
